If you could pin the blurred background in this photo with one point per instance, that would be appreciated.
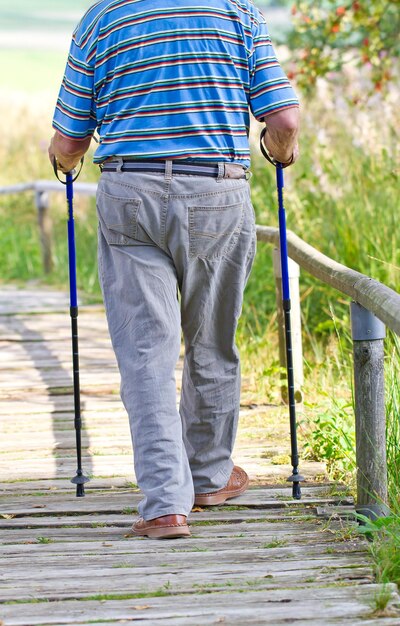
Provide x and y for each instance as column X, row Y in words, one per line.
column 342, row 196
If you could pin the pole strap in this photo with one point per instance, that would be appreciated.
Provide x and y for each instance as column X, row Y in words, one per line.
column 266, row 154
column 74, row 173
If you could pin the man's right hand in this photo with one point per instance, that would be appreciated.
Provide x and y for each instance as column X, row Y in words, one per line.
column 67, row 152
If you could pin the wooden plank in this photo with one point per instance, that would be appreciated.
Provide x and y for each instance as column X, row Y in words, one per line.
column 248, row 618
column 116, row 501
column 245, row 617
column 38, row 512
column 75, row 583
column 61, row 484
column 32, row 381
column 13, row 539
column 329, row 511
column 106, row 465
column 217, row 537
column 255, row 496
column 278, row 560
column 15, row 300
column 277, row 606
column 123, row 521
column 220, row 550
column 43, row 480
column 63, row 440
column 65, row 467
column 40, row 403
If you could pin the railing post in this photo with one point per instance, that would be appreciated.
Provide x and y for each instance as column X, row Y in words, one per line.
column 42, row 205
column 295, row 318
column 368, row 333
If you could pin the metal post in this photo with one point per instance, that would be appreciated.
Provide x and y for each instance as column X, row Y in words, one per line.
column 368, row 333
column 294, row 274
column 42, row 205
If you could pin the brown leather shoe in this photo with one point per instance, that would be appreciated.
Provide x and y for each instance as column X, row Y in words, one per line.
column 237, row 484
column 164, row 527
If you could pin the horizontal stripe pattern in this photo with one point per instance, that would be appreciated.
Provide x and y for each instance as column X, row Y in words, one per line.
column 171, row 79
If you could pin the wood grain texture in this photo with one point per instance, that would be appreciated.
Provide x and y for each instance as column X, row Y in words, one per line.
column 261, row 559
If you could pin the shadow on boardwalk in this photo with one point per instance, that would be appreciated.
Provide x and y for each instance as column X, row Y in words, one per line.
column 38, row 378
column 264, row 559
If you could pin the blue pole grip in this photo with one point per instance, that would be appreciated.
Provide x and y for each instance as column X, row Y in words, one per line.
column 282, row 233
column 73, row 296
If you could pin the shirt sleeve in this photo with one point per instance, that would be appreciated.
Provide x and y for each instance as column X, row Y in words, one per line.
column 75, row 114
column 270, row 90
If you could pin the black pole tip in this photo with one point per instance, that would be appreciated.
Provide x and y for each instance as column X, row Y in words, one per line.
column 296, row 491
column 80, row 491
column 79, row 480
column 296, row 479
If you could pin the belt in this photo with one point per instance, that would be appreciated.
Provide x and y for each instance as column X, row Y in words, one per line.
column 217, row 170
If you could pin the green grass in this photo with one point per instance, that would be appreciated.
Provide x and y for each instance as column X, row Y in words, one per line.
column 275, row 543
column 46, row 16
column 42, row 71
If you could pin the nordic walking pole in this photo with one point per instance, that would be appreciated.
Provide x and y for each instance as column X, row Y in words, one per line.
column 295, row 477
column 79, row 480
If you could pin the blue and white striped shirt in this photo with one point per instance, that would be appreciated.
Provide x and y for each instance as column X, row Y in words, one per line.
column 171, row 79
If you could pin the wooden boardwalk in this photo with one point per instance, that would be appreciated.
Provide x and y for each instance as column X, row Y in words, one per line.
column 264, row 559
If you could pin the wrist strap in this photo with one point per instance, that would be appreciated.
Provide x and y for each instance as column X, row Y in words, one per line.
column 267, row 155
column 74, row 173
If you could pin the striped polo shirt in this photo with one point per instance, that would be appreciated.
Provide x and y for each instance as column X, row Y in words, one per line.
column 171, row 79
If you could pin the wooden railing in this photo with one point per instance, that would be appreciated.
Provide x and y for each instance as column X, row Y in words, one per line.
column 41, row 189
column 373, row 307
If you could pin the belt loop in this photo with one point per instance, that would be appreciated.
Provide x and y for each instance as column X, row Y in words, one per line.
column 221, row 172
column 168, row 170
column 119, row 165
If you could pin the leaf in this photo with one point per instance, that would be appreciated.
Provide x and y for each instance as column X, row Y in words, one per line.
column 197, row 509
column 141, row 607
column 7, row 516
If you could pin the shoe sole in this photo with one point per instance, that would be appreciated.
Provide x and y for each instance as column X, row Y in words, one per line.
column 219, row 498
column 164, row 533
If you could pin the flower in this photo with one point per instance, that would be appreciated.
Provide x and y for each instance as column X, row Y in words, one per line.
column 335, row 28
column 340, row 11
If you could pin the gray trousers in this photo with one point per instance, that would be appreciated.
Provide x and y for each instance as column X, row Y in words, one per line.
column 175, row 253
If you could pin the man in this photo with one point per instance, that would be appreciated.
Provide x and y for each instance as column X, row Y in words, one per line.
column 168, row 85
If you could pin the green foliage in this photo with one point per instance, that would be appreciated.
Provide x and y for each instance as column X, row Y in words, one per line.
column 385, row 547
column 392, row 399
column 332, row 439
column 44, row 540
column 327, row 34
